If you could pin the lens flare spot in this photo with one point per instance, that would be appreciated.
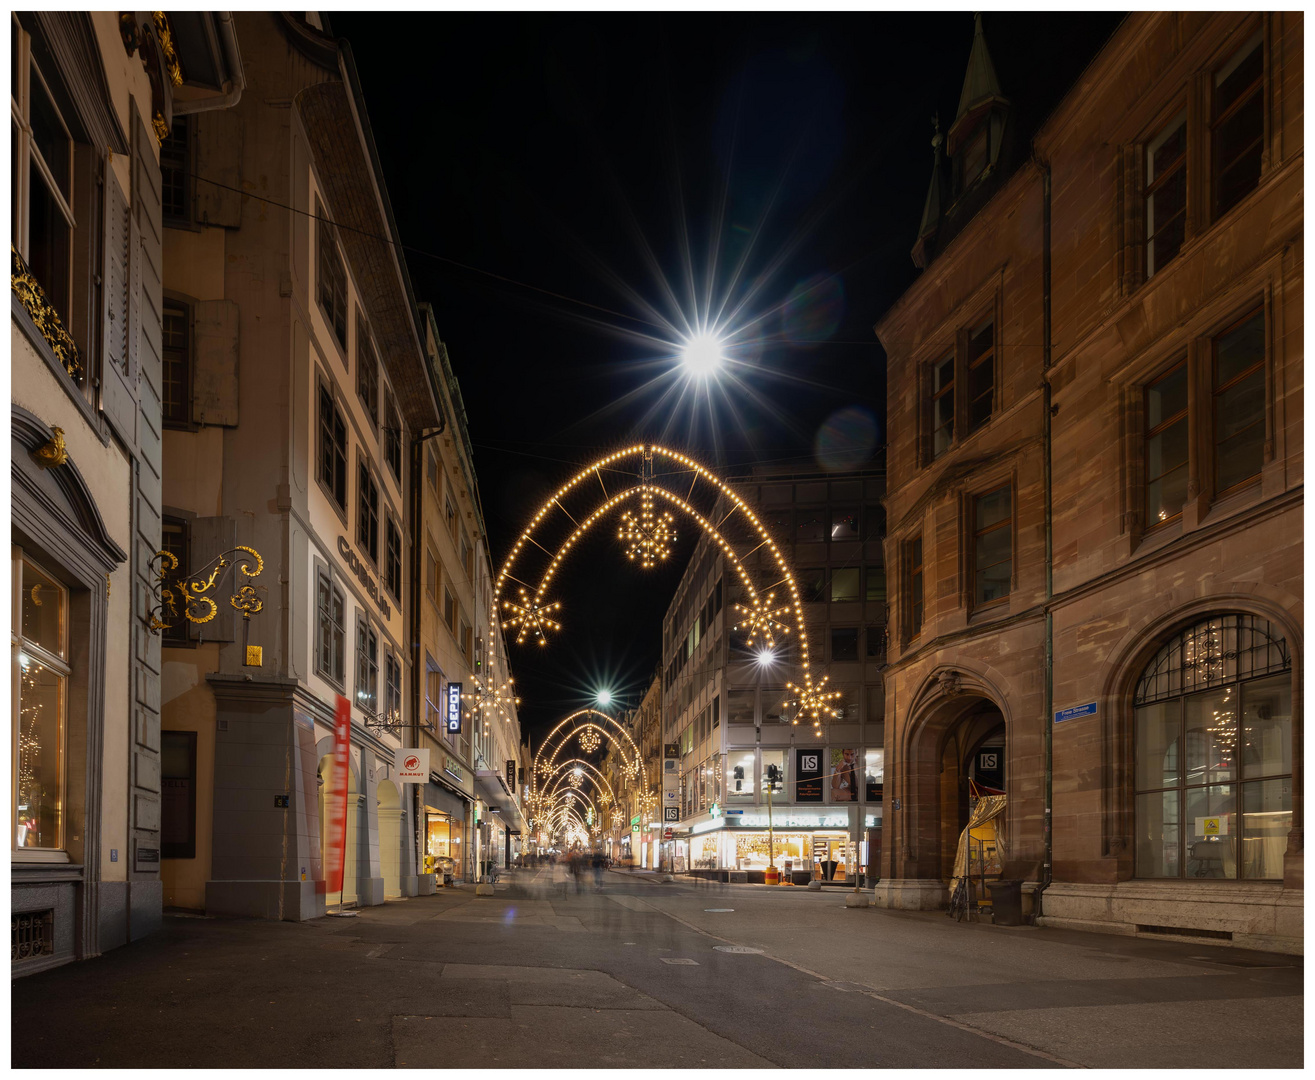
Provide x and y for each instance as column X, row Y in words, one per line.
column 846, row 440
column 814, row 309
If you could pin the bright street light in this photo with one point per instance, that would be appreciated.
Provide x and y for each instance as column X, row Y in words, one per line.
column 604, row 697
column 702, row 355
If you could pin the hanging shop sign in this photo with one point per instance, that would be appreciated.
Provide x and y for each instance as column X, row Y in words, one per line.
column 362, row 573
column 412, row 765
column 454, row 708
column 808, row 776
column 511, row 777
column 337, row 846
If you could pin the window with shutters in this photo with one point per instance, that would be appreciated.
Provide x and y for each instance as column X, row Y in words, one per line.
column 393, row 437
column 330, row 632
column 393, row 574
column 176, row 174
column 367, row 370
column 367, row 512
column 331, row 279
column 331, row 468
column 367, row 667
column 176, row 369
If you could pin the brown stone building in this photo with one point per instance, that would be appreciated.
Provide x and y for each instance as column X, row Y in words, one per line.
column 1095, row 490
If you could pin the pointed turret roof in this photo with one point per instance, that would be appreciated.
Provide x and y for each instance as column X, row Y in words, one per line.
column 931, row 209
column 979, row 84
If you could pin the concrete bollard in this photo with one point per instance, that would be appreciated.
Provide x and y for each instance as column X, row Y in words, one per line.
column 856, row 899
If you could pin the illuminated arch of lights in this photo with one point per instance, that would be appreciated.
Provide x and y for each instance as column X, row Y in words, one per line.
column 572, row 772
column 588, row 719
column 647, row 539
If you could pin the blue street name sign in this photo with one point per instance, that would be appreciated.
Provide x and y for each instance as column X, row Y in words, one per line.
column 1089, row 709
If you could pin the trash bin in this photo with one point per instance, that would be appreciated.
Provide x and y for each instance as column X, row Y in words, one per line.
column 1006, row 902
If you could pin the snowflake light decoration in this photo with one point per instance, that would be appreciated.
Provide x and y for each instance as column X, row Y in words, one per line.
column 532, row 617
column 490, row 699
column 762, row 621
column 813, row 702
column 590, row 740
column 575, row 779
column 649, row 537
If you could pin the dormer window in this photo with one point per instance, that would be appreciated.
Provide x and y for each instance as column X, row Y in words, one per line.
column 973, row 157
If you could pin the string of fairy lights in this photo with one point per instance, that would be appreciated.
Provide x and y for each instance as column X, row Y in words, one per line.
column 647, row 538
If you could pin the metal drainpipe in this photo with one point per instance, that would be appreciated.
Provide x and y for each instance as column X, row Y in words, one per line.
column 1046, row 869
column 417, row 672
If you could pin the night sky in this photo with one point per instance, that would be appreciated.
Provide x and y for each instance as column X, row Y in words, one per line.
column 566, row 183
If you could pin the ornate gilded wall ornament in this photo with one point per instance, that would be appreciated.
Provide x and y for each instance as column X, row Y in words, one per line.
column 167, row 50
column 161, row 126
column 183, row 596
column 52, row 452
column 33, row 298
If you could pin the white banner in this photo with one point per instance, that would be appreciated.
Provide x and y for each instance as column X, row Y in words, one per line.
column 412, row 765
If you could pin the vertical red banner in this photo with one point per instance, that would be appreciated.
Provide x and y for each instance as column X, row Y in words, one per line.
column 336, row 812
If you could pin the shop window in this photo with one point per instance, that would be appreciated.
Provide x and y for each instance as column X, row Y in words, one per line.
column 178, row 794
column 331, row 470
column 331, row 283
column 844, row 584
column 1238, row 385
column 330, row 635
column 742, row 773
column 40, row 672
column 367, row 512
column 393, row 437
column 942, row 405
column 1166, row 446
column 367, row 370
column 1237, row 126
column 773, row 774
column 874, row 773
column 844, row 644
column 394, row 560
column 914, row 557
column 367, row 668
column 1166, row 194
column 1214, row 753
column 176, row 369
column 176, row 174
column 992, row 546
column 981, row 375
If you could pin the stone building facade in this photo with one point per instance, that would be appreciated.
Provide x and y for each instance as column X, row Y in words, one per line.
column 93, row 95
column 1096, row 488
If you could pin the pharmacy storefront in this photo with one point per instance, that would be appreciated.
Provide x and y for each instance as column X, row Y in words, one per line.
column 817, row 843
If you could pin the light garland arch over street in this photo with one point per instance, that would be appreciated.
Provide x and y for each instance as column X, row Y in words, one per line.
column 540, row 550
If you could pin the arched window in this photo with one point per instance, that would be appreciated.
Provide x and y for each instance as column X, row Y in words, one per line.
column 1213, row 719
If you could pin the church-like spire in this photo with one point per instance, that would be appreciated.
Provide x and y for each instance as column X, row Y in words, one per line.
column 931, row 209
column 979, row 84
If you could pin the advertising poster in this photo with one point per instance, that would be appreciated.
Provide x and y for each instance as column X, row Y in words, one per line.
column 808, row 776
column 844, row 775
column 337, row 813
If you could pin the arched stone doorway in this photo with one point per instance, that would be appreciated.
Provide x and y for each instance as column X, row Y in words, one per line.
column 972, row 764
column 389, row 807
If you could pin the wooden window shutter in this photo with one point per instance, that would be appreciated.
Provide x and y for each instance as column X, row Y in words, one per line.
column 118, row 399
column 215, row 363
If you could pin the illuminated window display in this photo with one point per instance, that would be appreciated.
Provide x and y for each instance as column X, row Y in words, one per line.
column 41, row 673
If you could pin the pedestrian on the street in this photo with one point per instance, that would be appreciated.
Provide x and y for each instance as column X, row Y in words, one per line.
column 575, row 869
column 598, row 871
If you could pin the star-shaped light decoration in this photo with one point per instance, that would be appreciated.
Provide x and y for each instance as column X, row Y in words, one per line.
column 604, row 799
column 575, row 779
column 649, row 537
column 762, row 621
column 532, row 617
column 590, row 740
column 813, row 702
column 490, row 699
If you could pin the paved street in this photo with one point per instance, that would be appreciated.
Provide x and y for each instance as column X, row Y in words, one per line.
column 640, row 976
